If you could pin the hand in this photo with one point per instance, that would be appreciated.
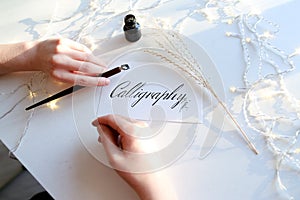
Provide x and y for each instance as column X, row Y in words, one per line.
column 64, row 59
column 147, row 185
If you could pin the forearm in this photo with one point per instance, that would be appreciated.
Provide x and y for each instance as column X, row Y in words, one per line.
column 158, row 191
column 16, row 57
column 152, row 186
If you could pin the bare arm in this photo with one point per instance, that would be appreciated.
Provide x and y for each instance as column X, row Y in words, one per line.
column 15, row 57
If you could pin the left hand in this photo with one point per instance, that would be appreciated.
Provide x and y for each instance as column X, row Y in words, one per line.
column 66, row 60
column 69, row 61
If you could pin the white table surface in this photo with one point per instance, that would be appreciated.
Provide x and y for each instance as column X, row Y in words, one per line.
column 52, row 151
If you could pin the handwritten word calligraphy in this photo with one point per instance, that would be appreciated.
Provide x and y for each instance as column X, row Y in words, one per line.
column 138, row 92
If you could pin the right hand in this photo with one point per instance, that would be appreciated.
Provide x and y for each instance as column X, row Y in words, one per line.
column 147, row 185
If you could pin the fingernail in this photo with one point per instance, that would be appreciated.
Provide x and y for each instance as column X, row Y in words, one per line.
column 142, row 124
column 106, row 81
column 95, row 122
column 86, row 49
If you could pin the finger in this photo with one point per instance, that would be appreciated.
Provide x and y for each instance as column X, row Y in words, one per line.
column 123, row 125
column 108, row 133
column 115, row 156
column 76, row 51
column 81, row 56
column 57, row 44
column 79, row 79
column 139, row 123
column 74, row 45
column 67, row 63
column 95, row 122
column 120, row 126
column 104, row 120
column 117, row 123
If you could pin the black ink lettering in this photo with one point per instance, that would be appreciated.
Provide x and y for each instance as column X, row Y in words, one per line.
column 126, row 83
column 140, row 96
column 180, row 99
column 159, row 98
column 127, row 90
column 134, row 89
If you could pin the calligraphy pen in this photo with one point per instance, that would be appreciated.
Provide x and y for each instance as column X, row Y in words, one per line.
column 78, row 87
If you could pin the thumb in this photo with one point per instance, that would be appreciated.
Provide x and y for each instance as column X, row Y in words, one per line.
column 109, row 141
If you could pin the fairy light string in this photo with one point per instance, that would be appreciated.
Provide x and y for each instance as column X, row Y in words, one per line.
column 37, row 79
column 266, row 55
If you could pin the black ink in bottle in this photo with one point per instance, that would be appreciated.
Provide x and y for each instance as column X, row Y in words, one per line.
column 132, row 28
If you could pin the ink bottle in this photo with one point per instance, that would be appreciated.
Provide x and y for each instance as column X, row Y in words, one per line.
column 132, row 29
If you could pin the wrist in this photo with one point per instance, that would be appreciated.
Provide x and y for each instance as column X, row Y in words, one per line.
column 29, row 56
column 17, row 57
column 156, row 187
